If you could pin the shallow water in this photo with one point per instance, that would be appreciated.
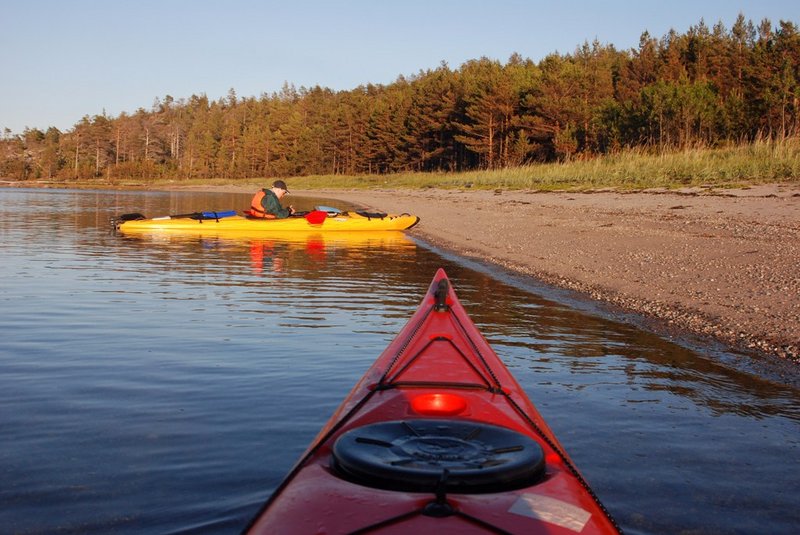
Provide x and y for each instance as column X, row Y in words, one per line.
column 167, row 383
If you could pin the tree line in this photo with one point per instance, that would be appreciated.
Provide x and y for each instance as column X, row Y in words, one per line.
column 707, row 87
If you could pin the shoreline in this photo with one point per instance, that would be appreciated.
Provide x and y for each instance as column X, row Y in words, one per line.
column 721, row 265
column 718, row 265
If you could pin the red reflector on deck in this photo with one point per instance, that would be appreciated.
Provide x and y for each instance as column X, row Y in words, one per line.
column 438, row 404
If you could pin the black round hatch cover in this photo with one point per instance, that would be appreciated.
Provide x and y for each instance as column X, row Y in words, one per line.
column 412, row 455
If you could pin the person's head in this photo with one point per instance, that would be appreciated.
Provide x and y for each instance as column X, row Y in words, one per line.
column 279, row 188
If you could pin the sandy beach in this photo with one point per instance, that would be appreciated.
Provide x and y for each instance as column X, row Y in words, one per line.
column 720, row 264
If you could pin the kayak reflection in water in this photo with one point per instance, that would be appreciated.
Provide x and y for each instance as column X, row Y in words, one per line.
column 266, row 254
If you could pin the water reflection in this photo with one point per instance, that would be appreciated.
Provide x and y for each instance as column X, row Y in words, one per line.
column 202, row 365
column 564, row 339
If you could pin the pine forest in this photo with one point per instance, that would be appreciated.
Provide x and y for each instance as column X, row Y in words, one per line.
column 708, row 87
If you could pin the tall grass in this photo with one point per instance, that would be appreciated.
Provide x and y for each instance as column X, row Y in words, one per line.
column 760, row 162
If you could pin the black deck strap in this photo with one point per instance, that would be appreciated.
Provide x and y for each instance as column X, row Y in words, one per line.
column 478, row 352
column 441, row 295
column 372, row 215
column 388, row 522
column 426, row 510
column 483, row 523
column 566, row 460
column 437, row 384
column 411, row 514
column 402, row 349
column 439, row 508
column 386, row 379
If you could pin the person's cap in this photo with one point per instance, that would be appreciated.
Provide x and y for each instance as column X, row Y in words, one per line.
column 280, row 184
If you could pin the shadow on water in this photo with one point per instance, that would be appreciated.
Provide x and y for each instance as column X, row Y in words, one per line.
column 167, row 382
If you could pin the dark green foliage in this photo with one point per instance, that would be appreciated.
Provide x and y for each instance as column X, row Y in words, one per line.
column 706, row 88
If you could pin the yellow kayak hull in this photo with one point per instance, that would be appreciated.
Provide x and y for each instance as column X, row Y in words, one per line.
column 345, row 222
column 357, row 239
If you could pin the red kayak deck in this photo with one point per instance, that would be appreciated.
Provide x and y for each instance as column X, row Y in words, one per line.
column 437, row 437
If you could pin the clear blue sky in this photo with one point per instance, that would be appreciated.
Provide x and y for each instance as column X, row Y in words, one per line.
column 63, row 59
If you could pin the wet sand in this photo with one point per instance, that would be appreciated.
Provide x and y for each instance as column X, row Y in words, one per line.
column 720, row 264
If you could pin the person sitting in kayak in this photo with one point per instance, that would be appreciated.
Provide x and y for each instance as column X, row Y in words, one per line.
column 267, row 202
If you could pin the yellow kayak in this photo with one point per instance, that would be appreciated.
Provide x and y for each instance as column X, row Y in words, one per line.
column 339, row 222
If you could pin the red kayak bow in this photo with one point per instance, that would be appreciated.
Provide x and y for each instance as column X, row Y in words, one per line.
column 437, row 437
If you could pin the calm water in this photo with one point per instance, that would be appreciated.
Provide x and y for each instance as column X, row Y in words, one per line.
column 167, row 384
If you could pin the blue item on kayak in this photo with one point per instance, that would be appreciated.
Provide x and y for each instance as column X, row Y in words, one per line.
column 218, row 215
